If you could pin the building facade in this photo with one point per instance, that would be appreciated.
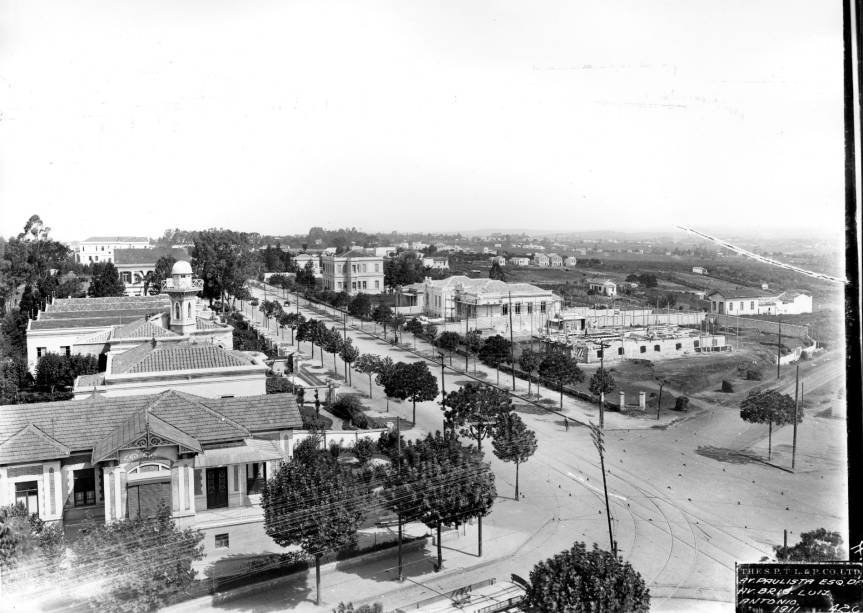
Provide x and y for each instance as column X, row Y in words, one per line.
column 98, row 326
column 353, row 272
column 519, row 261
column 118, row 458
column 102, row 248
column 540, row 259
column 133, row 266
column 602, row 287
column 488, row 303
column 747, row 302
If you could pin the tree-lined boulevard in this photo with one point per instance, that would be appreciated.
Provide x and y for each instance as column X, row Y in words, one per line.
column 687, row 499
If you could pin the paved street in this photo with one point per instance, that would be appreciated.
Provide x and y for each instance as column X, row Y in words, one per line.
column 688, row 499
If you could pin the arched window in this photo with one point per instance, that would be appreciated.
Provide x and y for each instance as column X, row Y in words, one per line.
column 190, row 310
column 176, row 310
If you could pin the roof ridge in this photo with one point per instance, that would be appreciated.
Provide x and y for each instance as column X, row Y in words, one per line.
column 31, row 427
column 196, row 400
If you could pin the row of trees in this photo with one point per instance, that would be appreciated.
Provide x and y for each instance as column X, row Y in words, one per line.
column 317, row 502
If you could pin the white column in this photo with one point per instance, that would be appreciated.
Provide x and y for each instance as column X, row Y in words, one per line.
column 108, row 481
column 4, row 488
column 190, row 471
column 181, row 488
column 119, row 511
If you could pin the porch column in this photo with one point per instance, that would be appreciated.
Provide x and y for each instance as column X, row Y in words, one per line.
column 4, row 488
column 108, row 481
column 190, row 491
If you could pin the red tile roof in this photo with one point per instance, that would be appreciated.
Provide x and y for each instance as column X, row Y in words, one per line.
column 78, row 425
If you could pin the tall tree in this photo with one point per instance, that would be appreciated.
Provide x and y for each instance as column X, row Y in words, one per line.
column 513, row 441
column 382, row 315
column 495, row 350
column 584, row 581
column 449, row 341
column 385, row 368
column 314, row 504
column 769, row 407
column 415, row 327
column 368, row 364
column 475, row 408
column 54, row 370
column 601, row 382
column 154, row 279
column 156, row 556
column 412, row 382
column 497, row 271
column 818, row 545
column 349, row 355
column 440, row 482
column 224, row 260
column 333, row 343
column 360, row 306
column 106, row 281
column 529, row 361
column 559, row 367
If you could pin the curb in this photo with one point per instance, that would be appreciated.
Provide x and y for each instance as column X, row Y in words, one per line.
column 218, row 598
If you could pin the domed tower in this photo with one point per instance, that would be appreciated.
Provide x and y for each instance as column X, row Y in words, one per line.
column 182, row 289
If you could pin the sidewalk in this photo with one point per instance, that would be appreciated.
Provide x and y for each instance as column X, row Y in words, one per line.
column 369, row 581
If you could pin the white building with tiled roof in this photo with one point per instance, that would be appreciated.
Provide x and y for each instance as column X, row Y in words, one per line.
column 489, row 303
column 155, row 366
column 116, row 458
column 97, row 326
column 102, row 248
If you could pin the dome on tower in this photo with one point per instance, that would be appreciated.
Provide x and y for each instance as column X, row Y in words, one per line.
column 181, row 267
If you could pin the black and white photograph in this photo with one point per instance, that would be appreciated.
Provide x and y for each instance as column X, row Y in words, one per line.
column 434, row 306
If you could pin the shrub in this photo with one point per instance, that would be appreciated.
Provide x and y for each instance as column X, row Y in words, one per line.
column 753, row 374
column 335, row 449
column 727, row 388
column 365, row 449
column 681, row 403
column 351, row 410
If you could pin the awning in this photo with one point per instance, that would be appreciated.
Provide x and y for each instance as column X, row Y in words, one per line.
column 254, row 450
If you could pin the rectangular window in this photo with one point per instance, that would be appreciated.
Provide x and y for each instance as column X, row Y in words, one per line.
column 364, row 284
column 84, row 487
column 353, row 285
column 678, row 346
column 377, row 284
column 656, row 348
column 599, row 353
column 27, row 494
column 752, row 305
column 642, row 349
column 517, row 308
column 542, row 307
column 529, row 308
column 90, row 258
column 222, row 541
column 256, row 477
column 66, row 350
column 696, row 344
column 40, row 351
column 353, row 268
column 620, row 351
column 377, row 267
column 364, row 267
column 199, row 482
column 741, row 306
column 730, row 306
column 504, row 309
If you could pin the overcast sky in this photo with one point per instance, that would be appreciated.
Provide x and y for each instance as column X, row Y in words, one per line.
column 130, row 117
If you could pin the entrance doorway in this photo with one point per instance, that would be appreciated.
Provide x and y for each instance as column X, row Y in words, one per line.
column 217, row 487
column 144, row 499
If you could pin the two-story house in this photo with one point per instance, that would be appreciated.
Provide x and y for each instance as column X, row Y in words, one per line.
column 355, row 271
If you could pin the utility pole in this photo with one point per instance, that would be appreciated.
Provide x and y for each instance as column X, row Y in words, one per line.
column 442, row 391
column 511, row 343
column 779, row 351
column 596, row 434
column 796, row 414
column 602, row 347
column 659, row 403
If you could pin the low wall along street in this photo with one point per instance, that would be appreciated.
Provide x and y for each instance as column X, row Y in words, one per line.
column 763, row 325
